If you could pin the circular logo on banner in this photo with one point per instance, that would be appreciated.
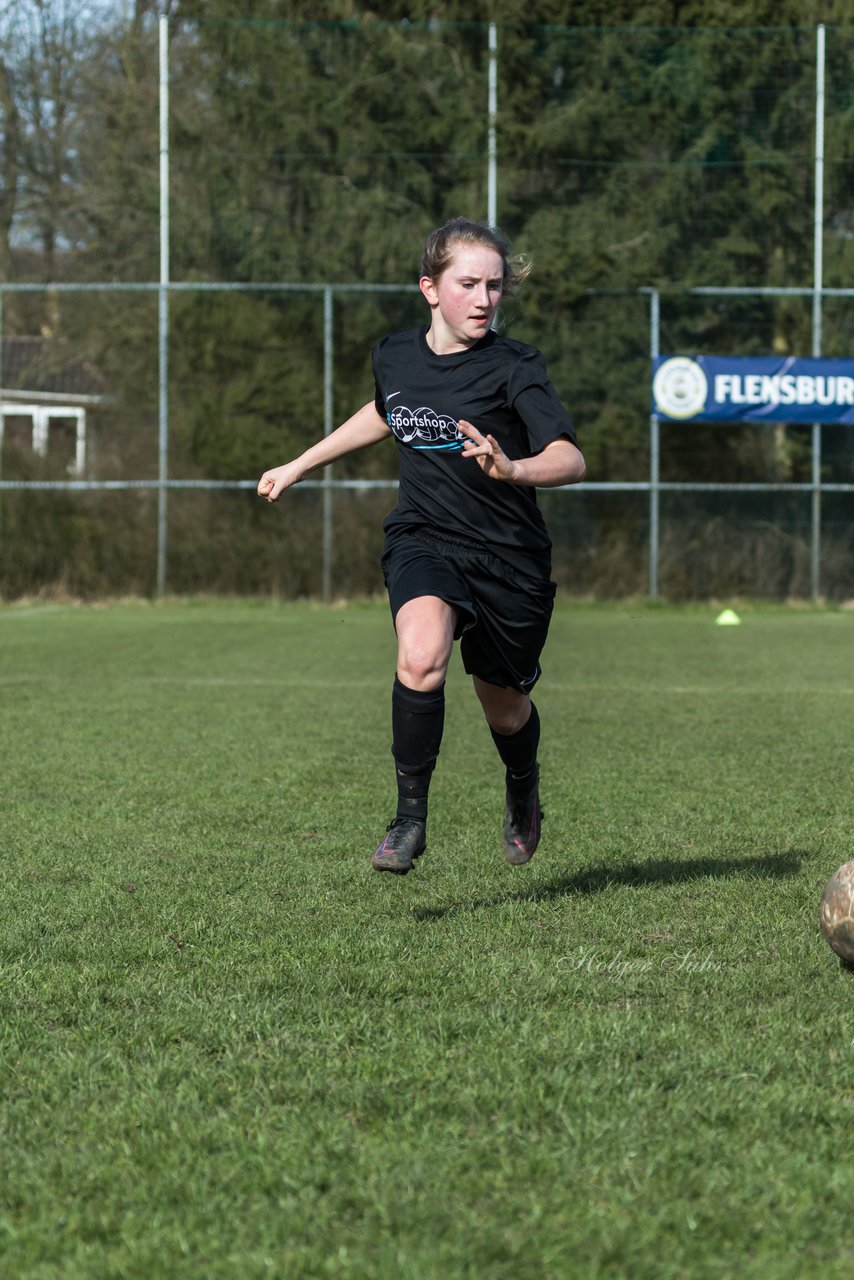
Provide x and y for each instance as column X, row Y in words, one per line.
column 679, row 388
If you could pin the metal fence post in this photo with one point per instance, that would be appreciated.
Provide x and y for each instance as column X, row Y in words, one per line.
column 163, row 314
column 654, row 450
column 328, row 408
column 492, row 139
column 818, row 281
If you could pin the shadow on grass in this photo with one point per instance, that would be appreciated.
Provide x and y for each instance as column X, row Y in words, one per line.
column 655, row 871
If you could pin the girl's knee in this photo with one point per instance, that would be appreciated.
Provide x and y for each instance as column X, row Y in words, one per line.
column 507, row 724
column 508, row 713
column 420, row 667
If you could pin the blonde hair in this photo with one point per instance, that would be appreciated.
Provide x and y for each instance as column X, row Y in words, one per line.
column 440, row 244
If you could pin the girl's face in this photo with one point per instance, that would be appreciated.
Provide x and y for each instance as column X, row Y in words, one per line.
column 465, row 297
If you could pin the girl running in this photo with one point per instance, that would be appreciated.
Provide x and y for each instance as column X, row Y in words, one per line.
column 478, row 428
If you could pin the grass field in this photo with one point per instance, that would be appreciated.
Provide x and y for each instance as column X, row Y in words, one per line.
column 230, row 1049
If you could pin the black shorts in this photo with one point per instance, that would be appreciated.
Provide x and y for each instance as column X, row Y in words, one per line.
column 503, row 614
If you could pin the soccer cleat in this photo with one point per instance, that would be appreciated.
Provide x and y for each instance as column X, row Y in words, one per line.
column 522, row 818
column 406, row 840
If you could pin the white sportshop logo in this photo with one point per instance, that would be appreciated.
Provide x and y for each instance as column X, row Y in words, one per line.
column 680, row 388
column 424, row 428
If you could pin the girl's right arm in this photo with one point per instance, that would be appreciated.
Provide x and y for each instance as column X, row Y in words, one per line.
column 364, row 428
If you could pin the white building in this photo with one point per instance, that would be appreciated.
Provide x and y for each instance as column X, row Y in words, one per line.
column 45, row 394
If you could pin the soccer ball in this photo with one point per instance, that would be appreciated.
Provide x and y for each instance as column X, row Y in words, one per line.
column 837, row 911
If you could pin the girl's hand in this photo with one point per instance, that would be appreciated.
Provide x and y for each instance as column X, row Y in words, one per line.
column 274, row 482
column 491, row 458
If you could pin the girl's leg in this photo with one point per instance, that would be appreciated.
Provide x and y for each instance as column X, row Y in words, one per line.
column 515, row 727
column 425, row 638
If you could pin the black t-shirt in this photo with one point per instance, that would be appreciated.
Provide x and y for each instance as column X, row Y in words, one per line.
column 502, row 387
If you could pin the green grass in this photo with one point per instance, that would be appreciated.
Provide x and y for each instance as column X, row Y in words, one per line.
column 229, row 1049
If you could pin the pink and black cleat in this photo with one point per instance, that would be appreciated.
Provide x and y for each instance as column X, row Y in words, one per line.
column 405, row 840
column 522, row 818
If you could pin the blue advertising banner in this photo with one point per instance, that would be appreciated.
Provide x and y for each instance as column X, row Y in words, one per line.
column 753, row 389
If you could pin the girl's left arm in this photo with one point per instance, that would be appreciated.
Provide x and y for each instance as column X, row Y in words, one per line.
column 560, row 462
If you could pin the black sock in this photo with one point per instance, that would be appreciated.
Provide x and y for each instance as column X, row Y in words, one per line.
column 519, row 752
column 417, row 721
